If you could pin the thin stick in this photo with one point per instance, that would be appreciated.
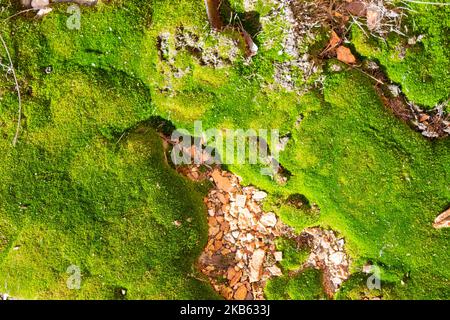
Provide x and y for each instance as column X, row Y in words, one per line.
column 123, row 134
column 16, row 136
column 369, row 75
column 18, row 13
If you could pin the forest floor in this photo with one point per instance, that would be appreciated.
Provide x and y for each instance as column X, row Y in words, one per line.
column 91, row 206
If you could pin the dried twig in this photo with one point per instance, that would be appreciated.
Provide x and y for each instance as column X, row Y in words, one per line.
column 16, row 136
column 18, row 13
column 367, row 74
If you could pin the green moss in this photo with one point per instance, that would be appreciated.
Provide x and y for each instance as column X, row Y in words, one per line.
column 81, row 187
column 376, row 182
column 422, row 69
column 106, row 210
column 293, row 257
column 304, row 286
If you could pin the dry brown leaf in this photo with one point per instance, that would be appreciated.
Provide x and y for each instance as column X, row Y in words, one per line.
column 236, row 278
column 345, row 55
column 251, row 47
column 227, row 293
column 334, row 40
column 241, row 293
column 231, row 273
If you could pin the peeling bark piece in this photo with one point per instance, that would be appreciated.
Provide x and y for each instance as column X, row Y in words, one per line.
column 217, row 245
column 212, row 222
column 442, row 220
column 256, row 265
column 212, row 10
column 227, row 293
column 236, row 279
column 231, row 273
column 222, row 198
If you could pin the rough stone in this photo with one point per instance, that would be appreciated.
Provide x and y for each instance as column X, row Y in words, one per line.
column 39, row 4
column 278, row 255
column 256, row 264
column 269, row 219
column 241, row 200
column 259, row 195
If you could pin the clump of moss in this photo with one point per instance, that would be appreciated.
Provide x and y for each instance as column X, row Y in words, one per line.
column 109, row 210
column 306, row 285
column 422, row 69
column 298, row 212
column 293, row 255
column 83, row 187
column 375, row 180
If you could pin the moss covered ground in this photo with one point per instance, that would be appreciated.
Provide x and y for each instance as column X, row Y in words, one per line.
column 88, row 183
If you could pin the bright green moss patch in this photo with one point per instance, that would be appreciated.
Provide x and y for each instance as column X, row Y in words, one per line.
column 422, row 69
column 304, row 286
column 293, row 256
column 109, row 210
column 376, row 181
column 298, row 212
